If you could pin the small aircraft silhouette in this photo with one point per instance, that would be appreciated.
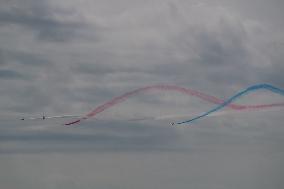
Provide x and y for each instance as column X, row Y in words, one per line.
column 43, row 117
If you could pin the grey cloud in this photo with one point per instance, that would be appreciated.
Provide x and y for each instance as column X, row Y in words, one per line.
column 215, row 52
column 10, row 74
column 111, row 47
column 29, row 59
column 108, row 136
column 269, row 13
column 273, row 73
column 2, row 58
column 25, row 99
column 38, row 16
column 8, row 57
column 93, row 68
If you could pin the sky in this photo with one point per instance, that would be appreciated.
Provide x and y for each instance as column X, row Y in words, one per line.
column 67, row 57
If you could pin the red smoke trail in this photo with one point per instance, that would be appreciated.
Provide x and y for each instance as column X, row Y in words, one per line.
column 183, row 90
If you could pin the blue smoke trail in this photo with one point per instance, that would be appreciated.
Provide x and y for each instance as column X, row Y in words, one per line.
column 233, row 98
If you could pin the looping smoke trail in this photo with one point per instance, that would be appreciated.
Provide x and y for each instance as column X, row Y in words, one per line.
column 183, row 90
column 238, row 95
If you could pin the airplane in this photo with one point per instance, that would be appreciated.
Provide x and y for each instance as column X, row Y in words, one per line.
column 43, row 117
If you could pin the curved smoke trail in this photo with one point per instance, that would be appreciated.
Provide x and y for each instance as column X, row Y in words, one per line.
column 215, row 114
column 236, row 96
column 183, row 90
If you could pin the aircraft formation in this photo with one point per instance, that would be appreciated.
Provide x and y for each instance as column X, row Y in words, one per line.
column 220, row 104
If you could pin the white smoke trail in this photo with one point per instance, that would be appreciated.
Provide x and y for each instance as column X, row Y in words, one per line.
column 215, row 114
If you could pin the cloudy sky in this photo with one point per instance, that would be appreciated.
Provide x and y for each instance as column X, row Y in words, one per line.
column 67, row 57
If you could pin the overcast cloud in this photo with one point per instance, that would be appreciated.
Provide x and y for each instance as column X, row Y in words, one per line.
column 67, row 57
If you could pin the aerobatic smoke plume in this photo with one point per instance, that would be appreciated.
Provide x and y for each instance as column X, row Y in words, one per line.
column 238, row 95
column 208, row 98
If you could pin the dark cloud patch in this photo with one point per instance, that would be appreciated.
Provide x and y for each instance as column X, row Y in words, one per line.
column 273, row 72
column 219, row 56
column 8, row 57
column 273, row 75
column 93, row 68
column 58, row 31
column 39, row 17
column 47, row 28
column 29, row 59
column 10, row 74
column 2, row 58
column 224, row 49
